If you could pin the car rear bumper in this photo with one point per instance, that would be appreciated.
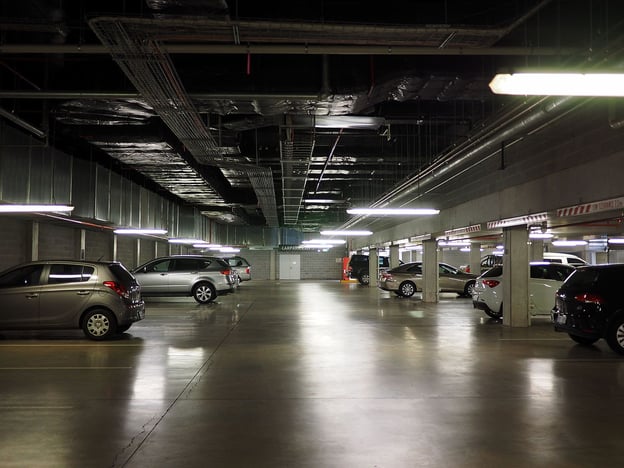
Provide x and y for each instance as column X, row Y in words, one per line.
column 132, row 313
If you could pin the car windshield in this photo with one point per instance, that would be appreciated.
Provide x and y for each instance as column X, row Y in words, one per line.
column 494, row 271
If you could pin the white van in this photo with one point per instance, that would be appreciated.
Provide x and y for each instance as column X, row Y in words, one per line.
column 566, row 259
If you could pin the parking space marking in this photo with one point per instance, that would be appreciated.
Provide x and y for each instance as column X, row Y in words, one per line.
column 64, row 368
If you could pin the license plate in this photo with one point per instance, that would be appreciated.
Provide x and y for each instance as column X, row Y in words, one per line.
column 561, row 319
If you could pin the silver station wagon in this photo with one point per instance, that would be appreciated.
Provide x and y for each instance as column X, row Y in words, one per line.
column 199, row 276
column 101, row 298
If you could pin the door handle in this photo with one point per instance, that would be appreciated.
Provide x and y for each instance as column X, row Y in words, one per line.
column 83, row 293
column 32, row 296
column 163, row 274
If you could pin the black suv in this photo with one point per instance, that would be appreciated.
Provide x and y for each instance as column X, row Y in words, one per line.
column 358, row 267
column 589, row 305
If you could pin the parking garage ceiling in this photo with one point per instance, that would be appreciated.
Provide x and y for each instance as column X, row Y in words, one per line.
column 279, row 113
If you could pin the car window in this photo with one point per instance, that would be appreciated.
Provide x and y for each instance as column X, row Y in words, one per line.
column 415, row 268
column 492, row 272
column 559, row 272
column 446, row 270
column 65, row 273
column 186, row 264
column 25, row 276
column 121, row 273
column 204, row 264
column 159, row 266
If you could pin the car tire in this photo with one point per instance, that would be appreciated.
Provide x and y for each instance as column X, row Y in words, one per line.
column 469, row 288
column 364, row 279
column 583, row 340
column 615, row 334
column 407, row 289
column 204, row 293
column 99, row 324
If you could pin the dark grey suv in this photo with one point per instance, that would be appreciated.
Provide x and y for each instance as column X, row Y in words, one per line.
column 101, row 298
column 198, row 276
column 589, row 305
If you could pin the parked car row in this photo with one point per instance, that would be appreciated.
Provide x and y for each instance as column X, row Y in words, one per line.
column 104, row 298
column 582, row 300
column 407, row 279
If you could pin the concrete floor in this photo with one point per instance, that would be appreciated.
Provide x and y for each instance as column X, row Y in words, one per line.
column 311, row 374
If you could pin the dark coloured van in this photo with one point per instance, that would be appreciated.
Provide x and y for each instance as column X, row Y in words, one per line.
column 358, row 267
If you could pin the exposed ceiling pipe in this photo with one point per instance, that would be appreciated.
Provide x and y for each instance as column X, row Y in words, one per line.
column 25, row 125
column 476, row 150
column 303, row 49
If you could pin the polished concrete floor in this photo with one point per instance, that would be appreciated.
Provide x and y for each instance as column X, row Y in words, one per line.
column 311, row 374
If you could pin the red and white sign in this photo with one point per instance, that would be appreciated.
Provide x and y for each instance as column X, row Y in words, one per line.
column 594, row 207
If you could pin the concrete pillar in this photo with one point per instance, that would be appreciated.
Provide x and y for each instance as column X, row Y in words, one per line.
column 430, row 271
column 475, row 258
column 373, row 267
column 394, row 256
column 273, row 265
column 83, row 245
column 536, row 251
column 34, row 241
column 516, row 277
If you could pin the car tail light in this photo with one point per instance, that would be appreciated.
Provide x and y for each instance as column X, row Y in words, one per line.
column 467, row 270
column 491, row 283
column 589, row 298
column 226, row 272
column 386, row 276
column 118, row 288
column 247, row 270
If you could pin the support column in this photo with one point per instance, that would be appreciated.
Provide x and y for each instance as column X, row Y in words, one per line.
column 34, row 241
column 272, row 265
column 536, row 252
column 373, row 267
column 516, row 277
column 115, row 248
column 430, row 271
column 83, row 244
column 394, row 256
column 475, row 258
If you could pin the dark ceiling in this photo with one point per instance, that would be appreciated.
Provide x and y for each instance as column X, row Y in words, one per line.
column 240, row 107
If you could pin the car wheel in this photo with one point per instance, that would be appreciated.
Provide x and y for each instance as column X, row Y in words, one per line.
column 364, row 278
column 407, row 289
column 493, row 314
column 469, row 288
column 583, row 340
column 615, row 334
column 99, row 324
column 204, row 293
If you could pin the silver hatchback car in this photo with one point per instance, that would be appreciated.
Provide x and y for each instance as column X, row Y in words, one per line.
column 198, row 276
column 101, row 298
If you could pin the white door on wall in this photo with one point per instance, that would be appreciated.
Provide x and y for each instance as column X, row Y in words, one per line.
column 290, row 267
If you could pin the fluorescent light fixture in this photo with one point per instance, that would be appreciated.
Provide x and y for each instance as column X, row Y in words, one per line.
column 229, row 250
column 324, row 241
column 392, row 211
column 569, row 243
column 139, row 231
column 181, row 240
column 559, row 84
column 35, row 208
column 206, row 245
column 498, row 252
column 316, row 246
column 616, row 240
column 540, row 235
column 346, row 233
